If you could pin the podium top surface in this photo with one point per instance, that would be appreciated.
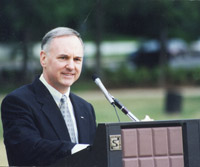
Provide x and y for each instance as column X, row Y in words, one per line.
column 146, row 123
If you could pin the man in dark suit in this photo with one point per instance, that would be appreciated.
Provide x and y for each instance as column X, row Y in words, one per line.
column 35, row 130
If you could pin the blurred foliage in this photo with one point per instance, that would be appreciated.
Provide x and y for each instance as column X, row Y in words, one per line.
column 145, row 77
column 182, row 76
column 26, row 21
column 143, row 18
column 148, row 18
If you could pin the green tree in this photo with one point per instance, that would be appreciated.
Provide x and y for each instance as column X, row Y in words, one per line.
column 149, row 18
column 26, row 21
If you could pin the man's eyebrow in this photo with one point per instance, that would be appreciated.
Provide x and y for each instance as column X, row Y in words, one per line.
column 66, row 55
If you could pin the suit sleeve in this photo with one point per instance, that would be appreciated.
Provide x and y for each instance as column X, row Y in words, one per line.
column 23, row 141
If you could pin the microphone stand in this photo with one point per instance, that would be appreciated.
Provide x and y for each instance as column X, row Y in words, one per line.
column 125, row 110
column 114, row 101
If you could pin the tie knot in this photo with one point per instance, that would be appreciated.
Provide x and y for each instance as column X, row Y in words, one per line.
column 63, row 99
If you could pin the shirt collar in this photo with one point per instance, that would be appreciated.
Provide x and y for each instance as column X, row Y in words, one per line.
column 56, row 94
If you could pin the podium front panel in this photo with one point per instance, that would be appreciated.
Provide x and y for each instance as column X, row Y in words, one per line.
column 174, row 143
column 150, row 147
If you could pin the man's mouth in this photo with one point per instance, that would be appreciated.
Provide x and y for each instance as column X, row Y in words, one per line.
column 68, row 74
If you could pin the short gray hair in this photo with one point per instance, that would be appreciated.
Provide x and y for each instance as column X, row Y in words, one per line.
column 57, row 32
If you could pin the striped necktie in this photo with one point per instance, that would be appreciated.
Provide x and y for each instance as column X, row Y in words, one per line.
column 67, row 117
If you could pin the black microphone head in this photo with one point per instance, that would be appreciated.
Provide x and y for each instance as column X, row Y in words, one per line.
column 94, row 76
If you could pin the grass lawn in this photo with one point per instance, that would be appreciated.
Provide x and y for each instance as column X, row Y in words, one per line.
column 140, row 102
column 144, row 102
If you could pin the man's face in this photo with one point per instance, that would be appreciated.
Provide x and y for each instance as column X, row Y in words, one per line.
column 62, row 63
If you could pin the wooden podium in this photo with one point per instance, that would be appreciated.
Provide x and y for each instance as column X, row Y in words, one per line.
column 141, row 144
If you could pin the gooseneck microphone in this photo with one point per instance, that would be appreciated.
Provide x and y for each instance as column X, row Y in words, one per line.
column 112, row 100
column 101, row 86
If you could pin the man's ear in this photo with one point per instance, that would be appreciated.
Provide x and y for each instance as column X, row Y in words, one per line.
column 43, row 58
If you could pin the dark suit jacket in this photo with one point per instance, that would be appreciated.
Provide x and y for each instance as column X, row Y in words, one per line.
column 34, row 129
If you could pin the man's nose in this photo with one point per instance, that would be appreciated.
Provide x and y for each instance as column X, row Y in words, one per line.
column 70, row 64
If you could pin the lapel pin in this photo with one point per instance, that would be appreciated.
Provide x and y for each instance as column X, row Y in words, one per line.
column 82, row 117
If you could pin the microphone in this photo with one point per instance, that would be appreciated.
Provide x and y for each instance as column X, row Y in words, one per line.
column 101, row 86
column 114, row 101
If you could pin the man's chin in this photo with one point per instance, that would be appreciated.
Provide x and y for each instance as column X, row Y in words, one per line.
column 68, row 84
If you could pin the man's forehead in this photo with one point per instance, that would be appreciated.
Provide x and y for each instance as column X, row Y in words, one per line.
column 68, row 38
column 71, row 40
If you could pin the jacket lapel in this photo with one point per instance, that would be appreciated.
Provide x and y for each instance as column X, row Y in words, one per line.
column 81, row 119
column 51, row 110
